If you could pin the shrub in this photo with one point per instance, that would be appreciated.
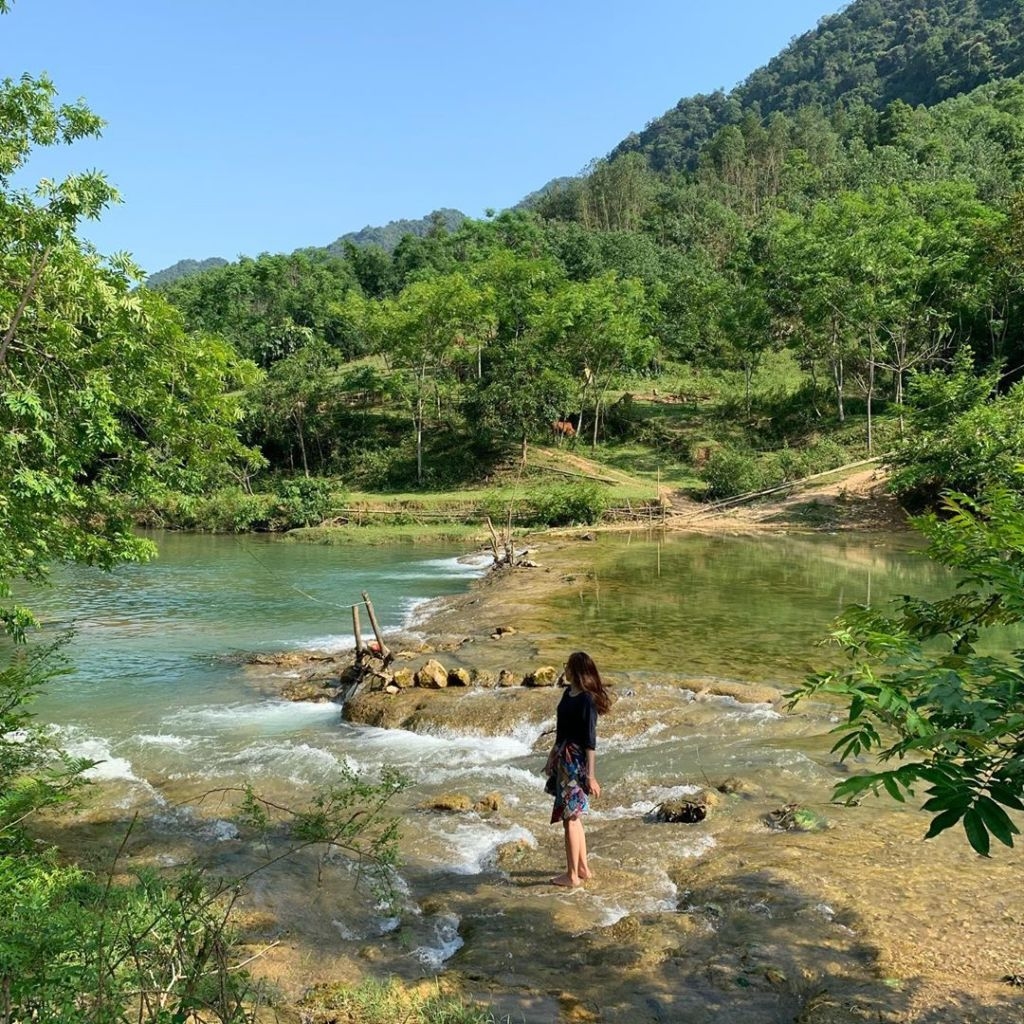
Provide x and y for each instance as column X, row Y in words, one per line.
column 304, row 501
column 729, row 472
column 574, row 504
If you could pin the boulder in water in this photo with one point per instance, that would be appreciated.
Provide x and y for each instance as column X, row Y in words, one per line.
column 458, row 677
column 403, row 678
column 546, row 675
column 488, row 803
column 306, row 690
column 794, row 818
column 506, row 678
column 432, row 676
column 457, row 802
column 686, row 812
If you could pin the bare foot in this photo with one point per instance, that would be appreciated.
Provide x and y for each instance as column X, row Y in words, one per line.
column 566, row 880
column 586, row 874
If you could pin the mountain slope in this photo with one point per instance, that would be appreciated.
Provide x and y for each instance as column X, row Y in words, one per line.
column 874, row 51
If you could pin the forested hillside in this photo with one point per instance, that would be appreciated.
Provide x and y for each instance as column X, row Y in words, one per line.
column 872, row 52
column 184, row 268
column 805, row 294
column 388, row 236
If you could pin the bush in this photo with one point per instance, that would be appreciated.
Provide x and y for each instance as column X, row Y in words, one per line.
column 575, row 504
column 729, row 472
column 304, row 501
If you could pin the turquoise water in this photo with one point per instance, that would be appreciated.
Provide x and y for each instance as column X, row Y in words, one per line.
column 155, row 639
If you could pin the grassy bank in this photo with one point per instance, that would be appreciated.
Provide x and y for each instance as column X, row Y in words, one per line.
column 679, row 437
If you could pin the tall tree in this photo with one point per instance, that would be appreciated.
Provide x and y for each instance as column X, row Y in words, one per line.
column 104, row 398
column 600, row 327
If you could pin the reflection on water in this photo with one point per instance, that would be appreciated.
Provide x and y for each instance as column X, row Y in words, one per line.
column 740, row 607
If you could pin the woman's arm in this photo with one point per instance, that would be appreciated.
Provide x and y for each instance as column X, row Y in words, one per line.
column 593, row 786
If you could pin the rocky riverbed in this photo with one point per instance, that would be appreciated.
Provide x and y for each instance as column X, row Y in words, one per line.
column 772, row 905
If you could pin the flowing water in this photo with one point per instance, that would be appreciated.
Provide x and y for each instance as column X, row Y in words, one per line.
column 160, row 696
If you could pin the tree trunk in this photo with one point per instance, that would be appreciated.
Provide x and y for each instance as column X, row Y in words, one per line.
column 870, row 395
column 302, row 442
column 419, row 439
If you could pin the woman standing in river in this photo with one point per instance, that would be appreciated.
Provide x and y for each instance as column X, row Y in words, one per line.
column 571, row 762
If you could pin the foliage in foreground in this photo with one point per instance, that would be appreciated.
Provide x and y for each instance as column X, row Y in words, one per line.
column 921, row 688
column 82, row 948
column 383, row 1002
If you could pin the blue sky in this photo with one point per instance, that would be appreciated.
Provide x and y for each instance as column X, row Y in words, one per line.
column 238, row 128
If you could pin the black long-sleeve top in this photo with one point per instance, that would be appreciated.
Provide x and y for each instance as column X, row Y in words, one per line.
column 577, row 720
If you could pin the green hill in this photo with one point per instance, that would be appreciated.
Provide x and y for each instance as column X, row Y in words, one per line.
column 872, row 52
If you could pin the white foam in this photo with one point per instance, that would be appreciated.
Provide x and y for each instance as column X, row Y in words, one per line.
column 652, row 797
column 762, row 712
column 162, row 739
column 299, row 762
column 448, row 942
column 493, row 773
column 444, row 748
column 109, row 767
column 278, row 714
column 609, row 913
column 415, row 610
column 334, row 643
column 474, row 844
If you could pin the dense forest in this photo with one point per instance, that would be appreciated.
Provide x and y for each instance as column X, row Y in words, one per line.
column 872, row 52
column 803, row 286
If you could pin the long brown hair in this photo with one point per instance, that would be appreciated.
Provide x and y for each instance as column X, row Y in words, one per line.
column 582, row 671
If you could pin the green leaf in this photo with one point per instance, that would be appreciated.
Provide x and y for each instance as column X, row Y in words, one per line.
column 892, row 787
column 943, row 821
column 997, row 821
column 1005, row 796
column 977, row 833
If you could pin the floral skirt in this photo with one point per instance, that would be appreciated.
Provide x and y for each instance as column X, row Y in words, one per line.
column 570, row 783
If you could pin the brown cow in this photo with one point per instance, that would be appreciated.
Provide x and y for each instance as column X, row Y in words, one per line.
column 563, row 428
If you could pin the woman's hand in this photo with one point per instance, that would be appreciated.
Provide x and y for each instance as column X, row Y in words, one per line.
column 593, row 787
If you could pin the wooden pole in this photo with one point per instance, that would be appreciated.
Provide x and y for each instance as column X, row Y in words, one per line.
column 384, row 652
column 356, row 631
column 494, row 541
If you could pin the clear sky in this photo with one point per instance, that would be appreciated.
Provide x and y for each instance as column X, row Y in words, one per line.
column 239, row 128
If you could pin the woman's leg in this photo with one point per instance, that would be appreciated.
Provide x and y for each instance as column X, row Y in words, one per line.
column 582, row 866
column 573, row 837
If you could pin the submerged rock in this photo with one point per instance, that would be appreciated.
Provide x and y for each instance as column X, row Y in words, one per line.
column 450, row 802
column 488, row 803
column 316, row 692
column 794, row 818
column 687, row 812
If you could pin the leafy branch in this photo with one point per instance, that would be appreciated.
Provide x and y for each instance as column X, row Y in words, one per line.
column 918, row 691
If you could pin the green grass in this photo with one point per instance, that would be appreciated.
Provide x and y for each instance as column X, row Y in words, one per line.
column 383, row 532
column 387, row 1002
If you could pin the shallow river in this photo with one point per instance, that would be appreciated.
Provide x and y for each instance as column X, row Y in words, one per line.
column 159, row 695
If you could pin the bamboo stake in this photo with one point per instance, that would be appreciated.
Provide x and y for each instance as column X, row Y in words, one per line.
column 356, row 631
column 384, row 652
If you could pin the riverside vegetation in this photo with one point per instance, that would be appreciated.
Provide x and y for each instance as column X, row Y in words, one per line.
column 817, row 267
